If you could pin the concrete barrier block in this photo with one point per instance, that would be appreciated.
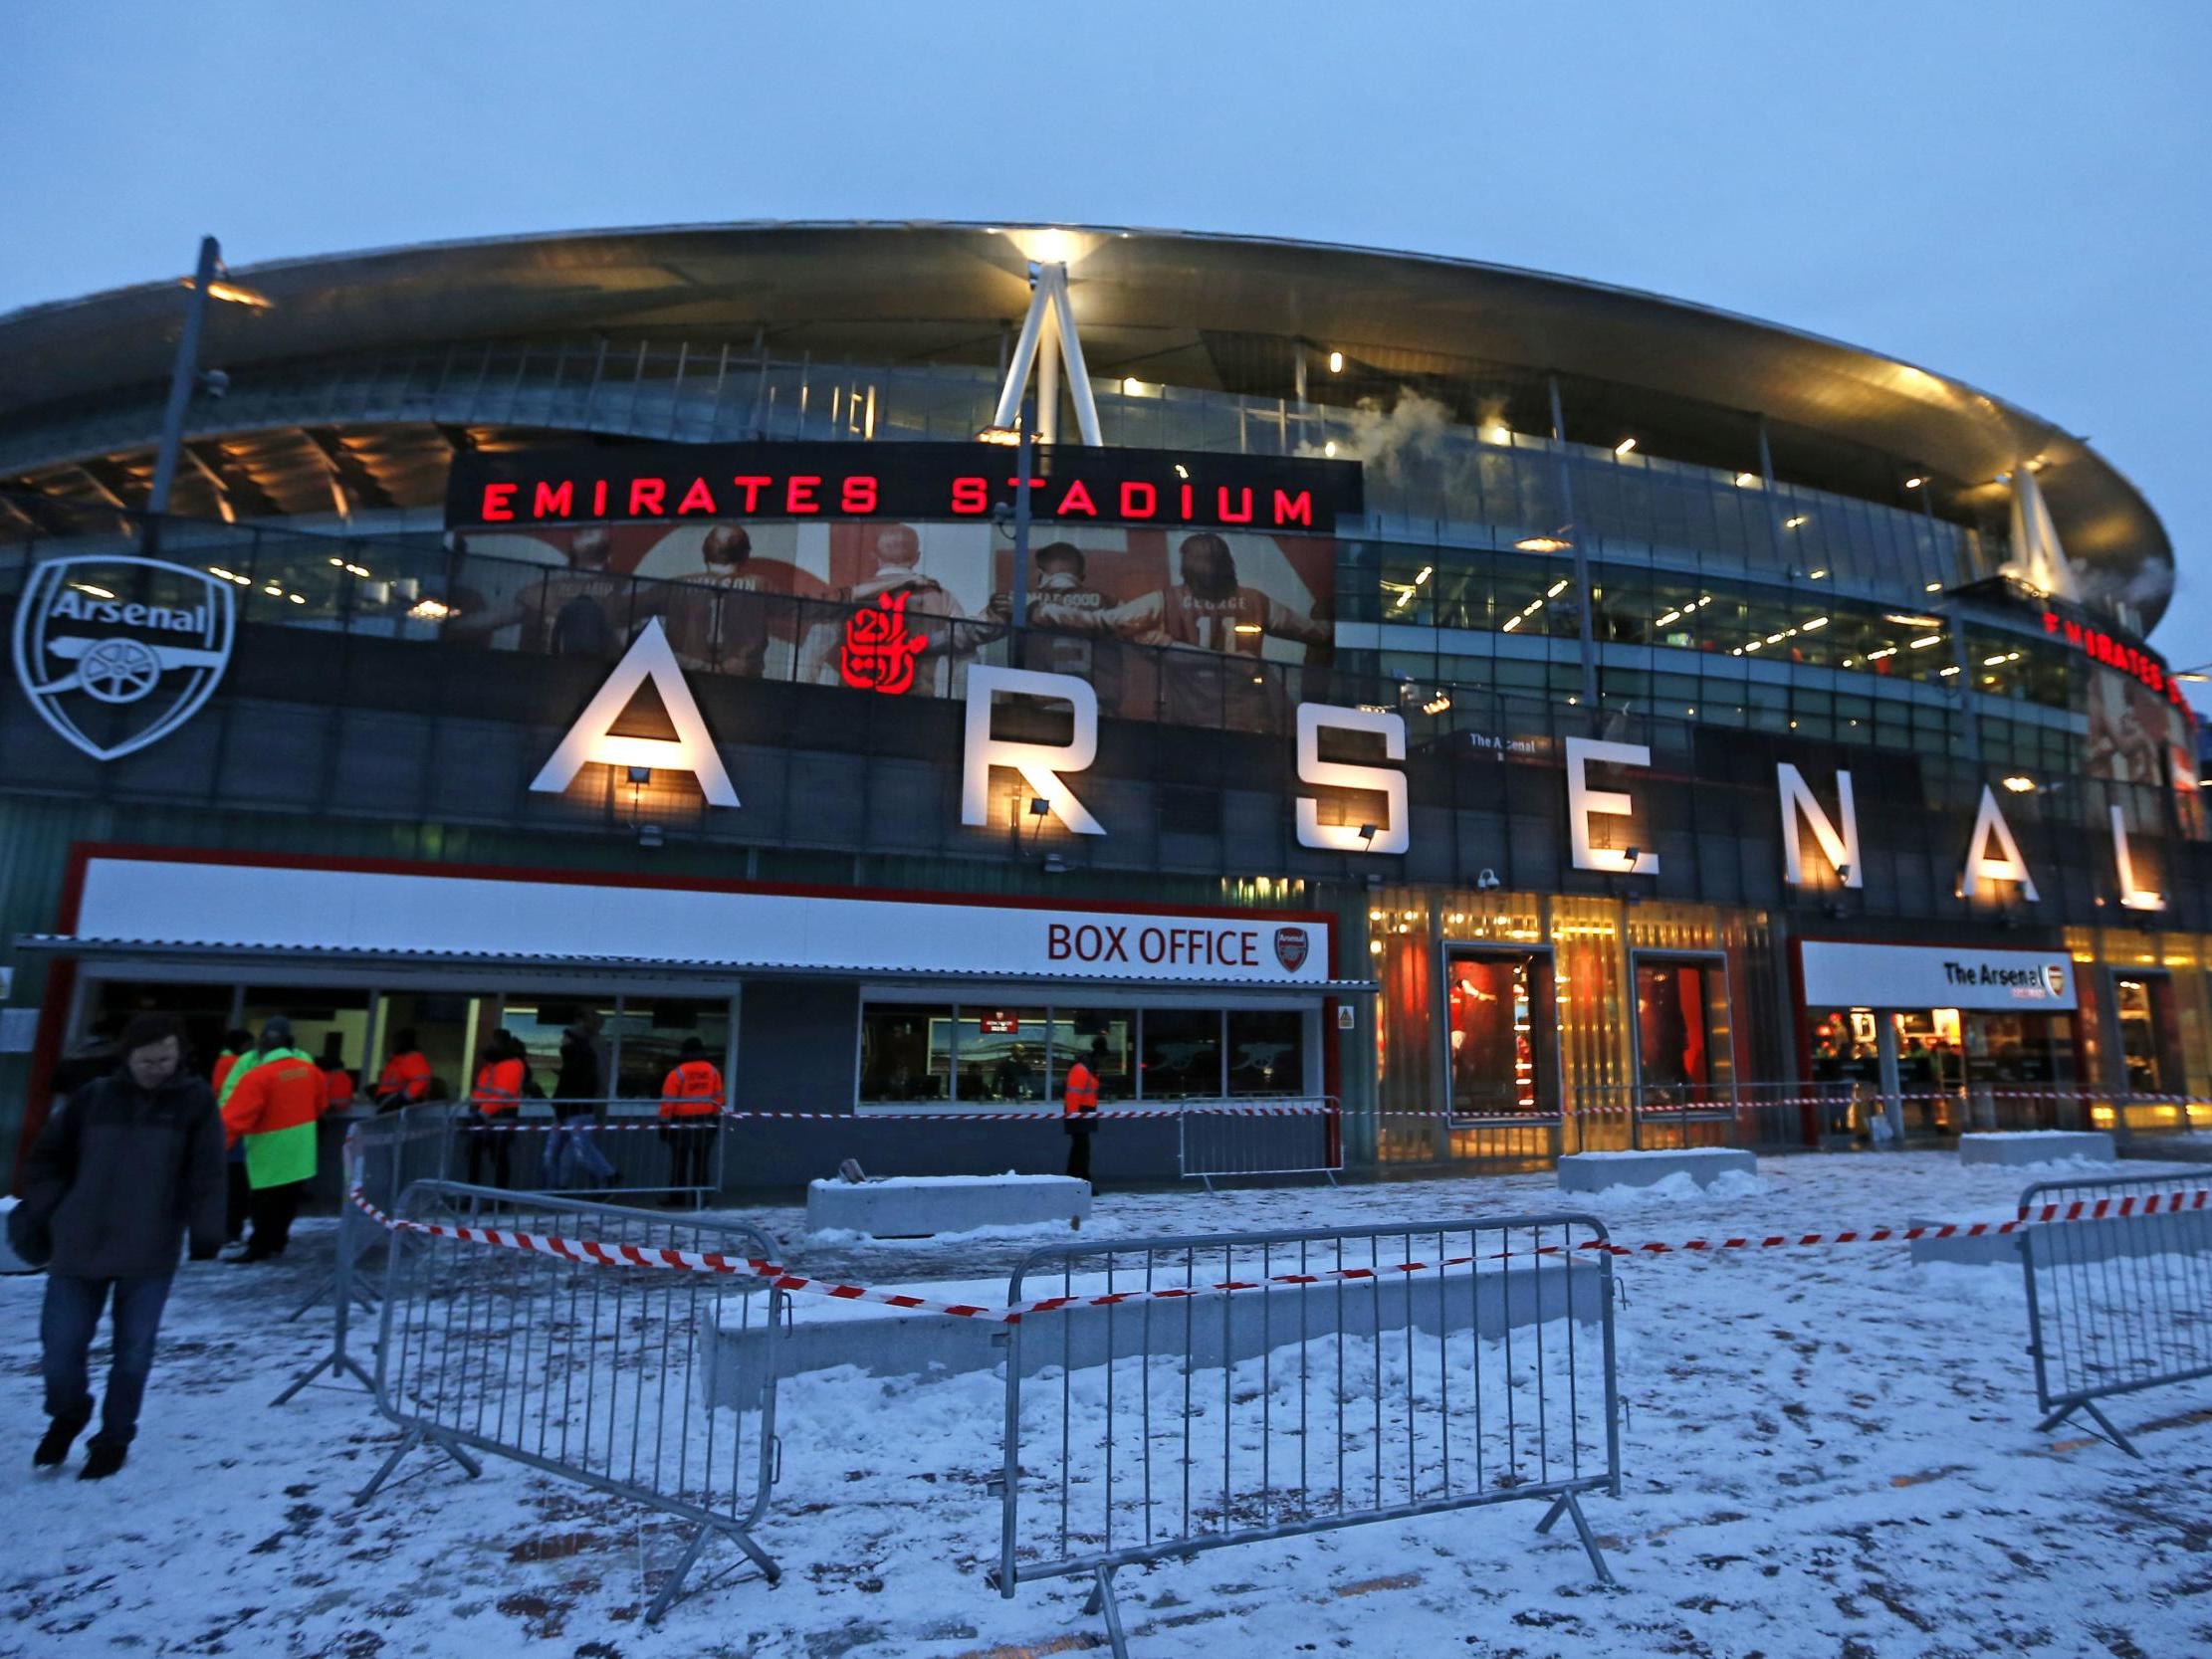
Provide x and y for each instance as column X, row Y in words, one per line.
column 914, row 1206
column 1595, row 1171
column 2044, row 1146
column 2070, row 1244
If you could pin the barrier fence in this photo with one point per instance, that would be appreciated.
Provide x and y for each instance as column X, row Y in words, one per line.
column 498, row 1336
column 1290, row 1137
column 1195, row 1394
column 2119, row 1297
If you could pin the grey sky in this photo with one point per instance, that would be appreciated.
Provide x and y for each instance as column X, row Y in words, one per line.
column 2012, row 193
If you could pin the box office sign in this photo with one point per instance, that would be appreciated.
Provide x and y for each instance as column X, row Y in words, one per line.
column 1838, row 975
column 419, row 911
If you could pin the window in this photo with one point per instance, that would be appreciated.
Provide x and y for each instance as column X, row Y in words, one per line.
column 1500, row 1009
column 1101, row 1037
column 1267, row 1050
column 1182, row 1054
column 649, row 1039
column 906, row 1053
column 1002, row 1055
column 1678, row 1051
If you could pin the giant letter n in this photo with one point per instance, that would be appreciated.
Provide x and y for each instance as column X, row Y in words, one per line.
column 691, row 751
column 1840, row 848
column 1395, row 833
column 1039, row 764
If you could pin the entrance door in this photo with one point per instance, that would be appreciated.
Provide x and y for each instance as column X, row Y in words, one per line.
column 2149, row 1033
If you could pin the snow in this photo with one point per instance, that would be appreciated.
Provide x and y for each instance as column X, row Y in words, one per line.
column 940, row 1184
column 1670, row 1153
column 1677, row 1188
column 1826, row 1452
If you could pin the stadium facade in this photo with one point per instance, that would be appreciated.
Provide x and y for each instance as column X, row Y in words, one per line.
column 1532, row 714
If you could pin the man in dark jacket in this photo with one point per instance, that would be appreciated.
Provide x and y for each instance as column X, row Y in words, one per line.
column 115, row 1181
column 579, row 1095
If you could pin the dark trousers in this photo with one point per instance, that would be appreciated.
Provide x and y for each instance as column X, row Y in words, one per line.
column 1080, row 1151
column 690, row 1150
column 239, row 1202
column 491, row 1140
column 67, row 1321
column 273, row 1210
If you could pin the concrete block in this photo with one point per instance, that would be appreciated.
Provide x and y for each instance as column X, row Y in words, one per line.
column 885, row 1343
column 1595, row 1171
column 913, row 1206
column 2043, row 1145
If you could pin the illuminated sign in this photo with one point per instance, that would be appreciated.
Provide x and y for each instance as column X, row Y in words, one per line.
column 2114, row 654
column 591, row 737
column 672, row 483
column 999, row 1023
column 1840, row 975
column 878, row 653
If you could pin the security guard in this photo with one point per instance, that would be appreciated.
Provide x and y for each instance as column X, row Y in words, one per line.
column 691, row 1099
column 1079, row 1115
column 271, row 1099
column 495, row 1104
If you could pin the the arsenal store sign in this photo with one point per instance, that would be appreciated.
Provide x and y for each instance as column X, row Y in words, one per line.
column 1068, row 486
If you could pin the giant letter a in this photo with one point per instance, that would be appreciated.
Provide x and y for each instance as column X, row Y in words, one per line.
column 691, row 751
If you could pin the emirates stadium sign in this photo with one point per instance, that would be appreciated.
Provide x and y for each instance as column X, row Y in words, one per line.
column 669, row 483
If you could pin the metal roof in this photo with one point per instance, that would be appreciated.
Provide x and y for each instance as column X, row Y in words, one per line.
column 316, row 956
column 839, row 285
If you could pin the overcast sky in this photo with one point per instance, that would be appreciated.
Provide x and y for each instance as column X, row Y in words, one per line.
column 2015, row 194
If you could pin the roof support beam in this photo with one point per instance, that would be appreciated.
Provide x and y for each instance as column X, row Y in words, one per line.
column 350, row 479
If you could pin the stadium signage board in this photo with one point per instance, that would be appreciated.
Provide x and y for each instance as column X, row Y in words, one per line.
column 673, row 482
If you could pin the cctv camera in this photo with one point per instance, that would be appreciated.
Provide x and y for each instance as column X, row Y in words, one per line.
column 1486, row 881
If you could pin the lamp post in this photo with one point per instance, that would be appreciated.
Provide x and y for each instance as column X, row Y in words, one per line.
column 183, row 376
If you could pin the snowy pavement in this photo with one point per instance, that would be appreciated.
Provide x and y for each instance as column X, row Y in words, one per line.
column 1827, row 1452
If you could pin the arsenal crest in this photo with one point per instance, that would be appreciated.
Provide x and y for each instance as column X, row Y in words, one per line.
column 2054, row 978
column 1290, row 948
column 116, row 652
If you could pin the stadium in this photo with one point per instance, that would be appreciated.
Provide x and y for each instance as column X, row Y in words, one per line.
column 1474, row 715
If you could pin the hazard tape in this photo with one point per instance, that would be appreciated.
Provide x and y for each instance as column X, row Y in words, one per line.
column 778, row 1277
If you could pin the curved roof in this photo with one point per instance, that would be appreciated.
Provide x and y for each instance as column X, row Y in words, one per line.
column 851, row 282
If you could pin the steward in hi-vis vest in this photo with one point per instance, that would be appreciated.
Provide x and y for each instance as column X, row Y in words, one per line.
column 271, row 1099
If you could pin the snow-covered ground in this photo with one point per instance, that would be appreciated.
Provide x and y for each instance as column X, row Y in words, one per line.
column 1827, row 1452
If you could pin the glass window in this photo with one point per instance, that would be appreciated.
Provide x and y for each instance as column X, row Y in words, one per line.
column 323, row 1022
column 2147, row 1032
column 1002, row 1055
column 1182, row 1054
column 1496, row 1058
column 906, row 1052
column 1102, row 1037
column 539, row 1023
column 1267, row 1050
column 1675, row 1036
column 648, row 1039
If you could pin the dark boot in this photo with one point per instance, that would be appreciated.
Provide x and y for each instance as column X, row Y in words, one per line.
column 103, row 1457
column 61, row 1434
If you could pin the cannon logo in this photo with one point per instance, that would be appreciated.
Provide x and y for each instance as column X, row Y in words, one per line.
column 116, row 652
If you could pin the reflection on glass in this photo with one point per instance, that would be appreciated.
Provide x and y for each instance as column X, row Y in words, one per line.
column 906, row 1052
column 2146, row 1033
column 1674, row 1030
column 1494, row 1034
column 650, row 1037
column 1101, row 1038
column 1003, row 1054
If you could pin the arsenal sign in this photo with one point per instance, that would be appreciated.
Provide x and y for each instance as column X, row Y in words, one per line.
column 116, row 652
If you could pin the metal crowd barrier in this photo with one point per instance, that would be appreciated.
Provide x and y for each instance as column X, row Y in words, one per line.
column 1365, row 1374
column 2117, row 1302
column 1294, row 1136
column 383, row 1156
column 596, row 1372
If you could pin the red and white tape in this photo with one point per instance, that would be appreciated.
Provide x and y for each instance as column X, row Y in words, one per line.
column 592, row 1253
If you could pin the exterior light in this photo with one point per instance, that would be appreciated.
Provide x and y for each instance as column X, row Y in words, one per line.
column 432, row 610
column 1437, row 705
column 1328, row 450
column 1542, row 544
column 236, row 293
column 1926, row 640
column 1000, row 435
column 640, row 775
column 2195, row 677
column 1623, row 446
column 1131, row 385
column 1336, row 363
column 1817, row 622
column 1792, row 524
column 1905, row 619
column 1556, row 588
column 1254, row 628
column 1039, row 806
column 1746, row 481
column 1915, row 483
column 1497, row 432
column 297, row 598
column 2020, row 783
column 1935, row 587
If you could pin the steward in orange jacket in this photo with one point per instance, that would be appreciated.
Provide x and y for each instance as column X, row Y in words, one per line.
column 690, row 1097
column 493, row 1107
column 1080, row 1115
column 271, row 1101
column 405, row 1079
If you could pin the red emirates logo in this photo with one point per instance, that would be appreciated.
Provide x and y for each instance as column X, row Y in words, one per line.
column 878, row 654
column 1290, row 948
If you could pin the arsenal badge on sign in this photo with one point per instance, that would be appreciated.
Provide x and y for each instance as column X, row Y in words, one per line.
column 116, row 652
column 1290, row 948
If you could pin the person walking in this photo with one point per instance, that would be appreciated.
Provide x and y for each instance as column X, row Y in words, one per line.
column 1079, row 1113
column 496, row 1102
column 405, row 1079
column 691, row 1099
column 579, row 1093
column 272, row 1100
column 126, row 1170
